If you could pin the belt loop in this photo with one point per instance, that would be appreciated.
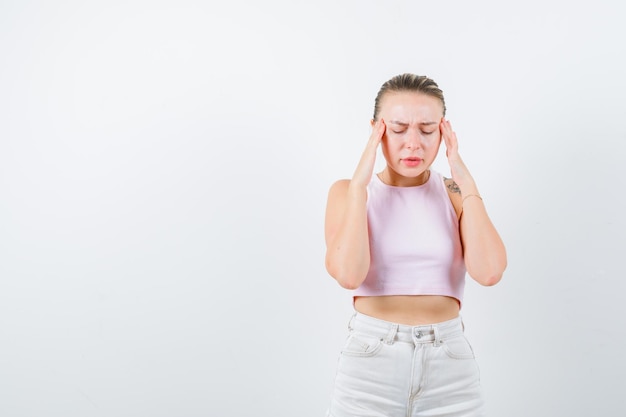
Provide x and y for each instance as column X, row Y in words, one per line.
column 391, row 335
column 437, row 336
column 350, row 328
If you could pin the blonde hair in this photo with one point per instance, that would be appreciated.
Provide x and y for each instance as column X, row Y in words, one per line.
column 409, row 82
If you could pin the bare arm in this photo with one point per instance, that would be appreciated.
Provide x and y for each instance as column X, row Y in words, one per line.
column 347, row 240
column 483, row 249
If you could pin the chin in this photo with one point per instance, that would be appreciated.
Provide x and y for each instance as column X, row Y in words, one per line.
column 411, row 172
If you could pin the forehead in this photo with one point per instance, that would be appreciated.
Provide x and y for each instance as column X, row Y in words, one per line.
column 411, row 106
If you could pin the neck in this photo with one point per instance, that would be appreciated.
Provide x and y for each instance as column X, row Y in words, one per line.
column 390, row 177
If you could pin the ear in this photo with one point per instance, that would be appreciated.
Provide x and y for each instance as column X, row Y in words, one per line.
column 372, row 122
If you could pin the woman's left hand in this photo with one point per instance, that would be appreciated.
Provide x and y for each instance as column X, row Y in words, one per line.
column 460, row 173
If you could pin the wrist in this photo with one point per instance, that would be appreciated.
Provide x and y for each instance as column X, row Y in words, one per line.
column 470, row 196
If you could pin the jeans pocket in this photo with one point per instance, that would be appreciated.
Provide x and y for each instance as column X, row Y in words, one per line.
column 363, row 345
column 458, row 348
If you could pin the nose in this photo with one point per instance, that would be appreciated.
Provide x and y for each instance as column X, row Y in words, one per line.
column 413, row 140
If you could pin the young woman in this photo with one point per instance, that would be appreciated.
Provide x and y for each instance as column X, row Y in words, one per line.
column 403, row 240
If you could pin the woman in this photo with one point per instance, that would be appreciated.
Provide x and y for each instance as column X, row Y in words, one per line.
column 403, row 240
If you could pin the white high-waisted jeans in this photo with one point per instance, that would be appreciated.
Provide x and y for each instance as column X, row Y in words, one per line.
column 393, row 370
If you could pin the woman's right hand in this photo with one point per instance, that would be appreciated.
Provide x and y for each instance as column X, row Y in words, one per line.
column 365, row 168
column 347, row 242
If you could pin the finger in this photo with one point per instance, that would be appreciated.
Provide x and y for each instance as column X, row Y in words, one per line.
column 381, row 127
column 450, row 139
column 378, row 131
column 445, row 132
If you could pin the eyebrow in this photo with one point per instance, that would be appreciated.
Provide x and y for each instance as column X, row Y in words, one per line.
column 399, row 123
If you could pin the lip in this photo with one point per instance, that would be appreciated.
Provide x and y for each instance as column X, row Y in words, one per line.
column 411, row 161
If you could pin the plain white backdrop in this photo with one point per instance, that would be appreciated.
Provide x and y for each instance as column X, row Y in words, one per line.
column 163, row 175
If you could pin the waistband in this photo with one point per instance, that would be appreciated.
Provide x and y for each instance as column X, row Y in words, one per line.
column 389, row 332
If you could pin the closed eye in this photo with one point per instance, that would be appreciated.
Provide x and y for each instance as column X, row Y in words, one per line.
column 429, row 133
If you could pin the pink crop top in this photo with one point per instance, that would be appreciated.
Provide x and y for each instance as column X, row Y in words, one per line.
column 415, row 247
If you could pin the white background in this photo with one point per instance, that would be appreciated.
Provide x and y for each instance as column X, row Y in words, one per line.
column 163, row 175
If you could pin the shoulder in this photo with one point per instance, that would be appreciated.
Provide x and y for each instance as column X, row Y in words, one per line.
column 339, row 185
column 451, row 186
column 335, row 207
column 337, row 192
column 454, row 192
column 340, row 192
